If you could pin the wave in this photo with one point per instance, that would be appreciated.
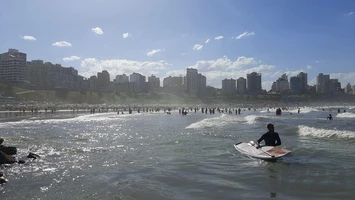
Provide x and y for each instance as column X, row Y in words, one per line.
column 324, row 133
column 220, row 121
column 346, row 115
column 304, row 110
column 251, row 119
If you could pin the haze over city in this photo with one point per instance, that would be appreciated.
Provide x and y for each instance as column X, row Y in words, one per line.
column 222, row 39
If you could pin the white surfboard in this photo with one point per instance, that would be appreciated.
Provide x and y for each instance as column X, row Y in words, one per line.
column 264, row 153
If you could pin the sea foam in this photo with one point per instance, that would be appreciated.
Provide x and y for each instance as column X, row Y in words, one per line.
column 324, row 133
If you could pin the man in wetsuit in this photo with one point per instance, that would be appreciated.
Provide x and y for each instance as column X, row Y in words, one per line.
column 271, row 138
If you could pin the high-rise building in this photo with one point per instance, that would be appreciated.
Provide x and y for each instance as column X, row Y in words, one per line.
column 202, row 81
column 45, row 75
column 334, row 86
column 282, row 84
column 348, row 89
column 153, row 82
column 13, row 67
column 241, row 85
column 322, row 84
column 296, row 84
column 229, row 86
column 304, row 81
column 103, row 80
column 139, row 81
column 175, row 81
column 353, row 89
column 122, row 79
column 192, row 81
column 254, row 82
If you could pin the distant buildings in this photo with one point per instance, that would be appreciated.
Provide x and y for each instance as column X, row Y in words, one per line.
column 37, row 74
column 139, row 82
column 229, row 86
column 325, row 85
column 282, row 85
column 153, row 83
column 195, row 82
column 175, row 81
column 241, row 85
column 304, row 81
column 13, row 67
column 296, row 84
column 254, row 83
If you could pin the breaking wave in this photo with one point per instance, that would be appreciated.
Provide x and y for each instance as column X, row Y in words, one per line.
column 346, row 115
column 324, row 133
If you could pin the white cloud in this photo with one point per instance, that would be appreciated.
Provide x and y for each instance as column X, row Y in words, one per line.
column 245, row 34
column 309, row 67
column 218, row 37
column 207, row 41
column 350, row 13
column 221, row 68
column 197, row 47
column 118, row 66
column 27, row 37
column 345, row 78
column 71, row 58
column 154, row 51
column 126, row 35
column 183, row 54
column 224, row 63
column 319, row 61
column 97, row 30
column 62, row 44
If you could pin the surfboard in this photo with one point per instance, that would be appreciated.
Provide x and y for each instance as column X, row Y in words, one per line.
column 264, row 152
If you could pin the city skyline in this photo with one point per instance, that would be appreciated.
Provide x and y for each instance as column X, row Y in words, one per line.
column 164, row 38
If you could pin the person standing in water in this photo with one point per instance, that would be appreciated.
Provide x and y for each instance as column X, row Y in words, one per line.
column 271, row 138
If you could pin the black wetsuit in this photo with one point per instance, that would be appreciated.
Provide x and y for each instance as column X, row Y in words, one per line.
column 270, row 139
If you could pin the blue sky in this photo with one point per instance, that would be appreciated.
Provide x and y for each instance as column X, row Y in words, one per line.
column 222, row 39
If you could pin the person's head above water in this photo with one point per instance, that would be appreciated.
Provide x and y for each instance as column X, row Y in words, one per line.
column 270, row 127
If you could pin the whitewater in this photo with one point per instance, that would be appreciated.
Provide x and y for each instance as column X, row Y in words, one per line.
column 161, row 156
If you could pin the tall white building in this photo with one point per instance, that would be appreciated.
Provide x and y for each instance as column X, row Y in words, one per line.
column 13, row 67
column 241, row 85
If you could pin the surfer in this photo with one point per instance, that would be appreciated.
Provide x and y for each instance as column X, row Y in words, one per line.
column 330, row 117
column 271, row 138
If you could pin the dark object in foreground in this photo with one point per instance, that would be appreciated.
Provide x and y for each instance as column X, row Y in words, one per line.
column 8, row 150
column 33, row 155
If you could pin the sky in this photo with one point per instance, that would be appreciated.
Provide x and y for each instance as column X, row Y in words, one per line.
column 221, row 38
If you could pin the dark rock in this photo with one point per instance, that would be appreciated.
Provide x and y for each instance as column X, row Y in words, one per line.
column 8, row 150
column 33, row 155
column 21, row 162
column 2, row 180
column 6, row 159
column 1, row 174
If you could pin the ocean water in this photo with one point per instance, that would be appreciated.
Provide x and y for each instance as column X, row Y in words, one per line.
column 159, row 156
